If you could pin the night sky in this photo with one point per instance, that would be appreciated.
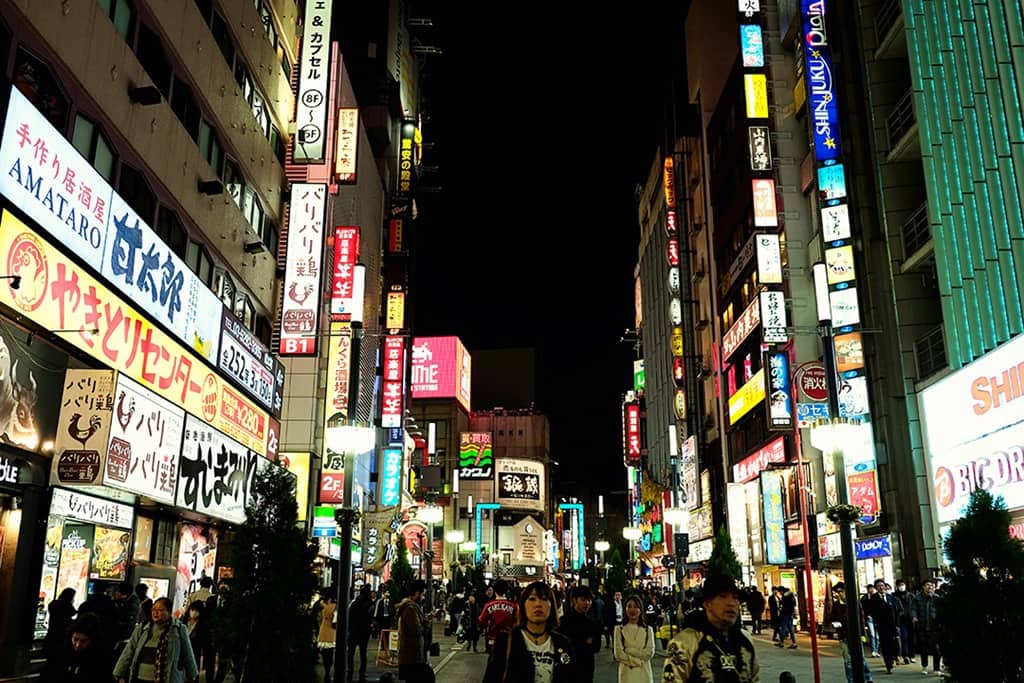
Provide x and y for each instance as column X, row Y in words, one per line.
column 544, row 125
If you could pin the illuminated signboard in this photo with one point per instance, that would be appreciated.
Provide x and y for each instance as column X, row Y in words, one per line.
column 142, row 450
column 332, row 469
column 669, row 180
column 520, row 483
column 675, row 311
column 348, row 143
column 441, row 368
column 853, row 397
column 780, row 403
column 393, row 387
column 86, row 410
column 406, row 158
column 839, row 262
column 339, row 370
column 631, row 421
column 314, row 70
column 760, row 147
column 639, row 377
column 391, row 477
column 301, row 303
column 835, row 223
column 824, row 108
column 298, row 464
column 677, row 341
column 755, row 87
column 751, row 45
column 769, row 259
column 46, row 177
column 57, row 294
column 774, row 522
column 246, row 360
column 845, row 309
column 746, row 397
column 748, row 468
column 831, row 182
column 215, row 473
column 748, row 7
column 395, row 310
column 346, row 256
column 741, row 329
column 476, row 456
column 765, row 212
column 672, row 252
column 773, row 316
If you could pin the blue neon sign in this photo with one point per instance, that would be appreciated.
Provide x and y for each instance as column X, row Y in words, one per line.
column 821, row 87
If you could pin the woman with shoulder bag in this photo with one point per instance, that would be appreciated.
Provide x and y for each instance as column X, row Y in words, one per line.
column 633, row 645
column 159, row 651
column 533, row 651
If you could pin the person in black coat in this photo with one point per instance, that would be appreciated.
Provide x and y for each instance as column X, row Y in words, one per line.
column 360, row 614
column 755, row 605
column 584, row 633
column 533, row 651
column 62, row 611
column 470, row 625
column 885, row 610
column 79, row 659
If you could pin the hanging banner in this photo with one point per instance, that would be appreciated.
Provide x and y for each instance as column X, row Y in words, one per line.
column 346, row 256
column 301, row 303
column 57, row 294
column 391, row 477
column 314, row 72
column 348, row 144
column 760, row 147
column 145, row 439
column 769, row 259
column 821, row 84
column 83, row 428
column 393, row 389
column 339, row 370
column 215, row 473
column 774, row 522
column 780, row 403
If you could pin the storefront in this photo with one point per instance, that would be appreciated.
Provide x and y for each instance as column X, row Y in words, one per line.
column 974, row 435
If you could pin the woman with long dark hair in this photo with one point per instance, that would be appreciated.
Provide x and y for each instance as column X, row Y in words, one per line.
column 158, row 651
column 633, row 644
column 533, row 651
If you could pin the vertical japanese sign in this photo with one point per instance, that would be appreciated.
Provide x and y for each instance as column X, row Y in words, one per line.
column 85, row 413
column 339, row 369
column 391, row 477
column 774, row 523
column 197, row 557
column 760, row 147
column 773, row 316
column 519, row 483
column 215, row 473
column 394, row 310
column 406, row 159
column 348, row 143
column 314, row 65
column 780, row 403
column 631, row 428
column 346, row 255
column 301, row 303
column 145, row 438
column 769, row 259
column 332, row 473
column 765, row 211
column 476, row 456
column 752, row 45
column 393, row 389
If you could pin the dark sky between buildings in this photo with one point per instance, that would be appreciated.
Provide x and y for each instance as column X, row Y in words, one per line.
column 543, row 124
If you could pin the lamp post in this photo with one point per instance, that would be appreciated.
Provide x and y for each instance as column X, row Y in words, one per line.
column 853, row 623
column 632, row 534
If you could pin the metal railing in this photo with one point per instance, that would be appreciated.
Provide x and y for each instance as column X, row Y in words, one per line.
column 930, row 353
column 901, row 119
column 915, row 231
column 888, row 13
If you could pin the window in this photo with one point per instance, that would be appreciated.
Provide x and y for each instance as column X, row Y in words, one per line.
column 136, row 192
column 222, row 36
column 205, row 9
column 259, row 111
column 36, row 82
column 224, row 287
column 198, row 259
column 277, row 143
column 209, row 147
column 243, row 80
column 233, row 181
column 263, row 329
column 88, row 140
column 245, row 311
column 153, row 59
column 120, row 12
column 171, row 231
column 270, row 235
column 183, row 104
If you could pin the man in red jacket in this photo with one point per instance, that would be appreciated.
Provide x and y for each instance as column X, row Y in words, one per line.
column 498, row 615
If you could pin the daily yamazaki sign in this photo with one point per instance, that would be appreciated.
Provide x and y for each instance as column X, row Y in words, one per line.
column 57, row 294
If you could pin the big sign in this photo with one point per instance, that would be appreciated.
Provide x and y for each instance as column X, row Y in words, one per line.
column 215, row 473
column 50, row 181
column 57, row 294
column 246, row 360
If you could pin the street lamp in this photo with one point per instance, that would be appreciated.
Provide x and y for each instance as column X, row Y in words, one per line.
column 678, row 517
column 602, row 546
column 632, row 533
column 430, row 514
column 455, row 536
column 829, row 438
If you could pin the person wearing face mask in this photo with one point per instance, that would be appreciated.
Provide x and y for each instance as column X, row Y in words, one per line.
column 533, row 652
column 906, row 600
column 712, row 645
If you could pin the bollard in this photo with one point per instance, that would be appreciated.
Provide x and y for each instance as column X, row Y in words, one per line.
column 787, row 677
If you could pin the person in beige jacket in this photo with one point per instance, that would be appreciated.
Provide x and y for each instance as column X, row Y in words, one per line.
column 327, row 635
column 412, row 629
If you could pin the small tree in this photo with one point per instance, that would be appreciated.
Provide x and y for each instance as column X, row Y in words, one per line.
column 980, row 616
column 265, row 623
column 617, row 580
column 401, row 571
column 723, row 560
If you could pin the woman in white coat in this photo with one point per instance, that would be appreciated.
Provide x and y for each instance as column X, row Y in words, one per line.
column 633, row 645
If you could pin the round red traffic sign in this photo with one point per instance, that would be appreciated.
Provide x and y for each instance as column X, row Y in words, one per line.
column 810, row 379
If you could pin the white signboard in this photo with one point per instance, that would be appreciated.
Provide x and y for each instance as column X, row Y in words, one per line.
column 835, row 223
column 769, row 259
column 215, row 473
column 301, row 304
column 145, row 436
column 46, row 177
column 83, row 428
column 529, row 542
column 91, row 509
column 853, row 397
column 314, row 68
column 773, row 316
column 845, row 309
column 519, row 483
column 348, row 142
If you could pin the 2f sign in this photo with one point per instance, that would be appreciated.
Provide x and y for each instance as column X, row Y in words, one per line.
column 297, row 347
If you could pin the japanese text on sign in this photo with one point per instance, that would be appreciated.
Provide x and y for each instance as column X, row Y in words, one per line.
column 314, row 67
column 633, row 433
column 301, row 303
column 339, row 366
column 393, row 389
column 215, row 473
column 346, row 255
column 89, row 509
column 83, row 427
column 391, row 477
column 348, row 143
column 741, row 329
column 59, row 295
column 247, row 361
